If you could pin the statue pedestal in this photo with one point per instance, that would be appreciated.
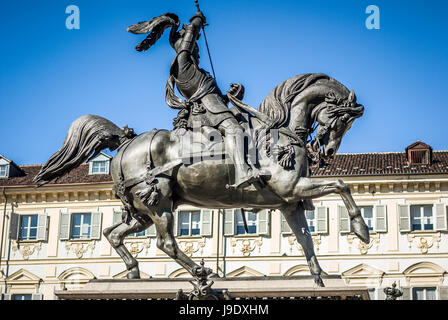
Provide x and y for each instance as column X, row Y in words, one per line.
column 295, row 287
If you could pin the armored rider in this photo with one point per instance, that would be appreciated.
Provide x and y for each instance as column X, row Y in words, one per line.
column 205, row 102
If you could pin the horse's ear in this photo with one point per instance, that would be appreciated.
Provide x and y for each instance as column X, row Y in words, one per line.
column 352, row 97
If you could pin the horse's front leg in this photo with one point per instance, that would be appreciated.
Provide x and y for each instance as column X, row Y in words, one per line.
column 307, row 188
column 295, row 216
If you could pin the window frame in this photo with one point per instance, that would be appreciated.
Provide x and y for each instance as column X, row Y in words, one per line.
column 425, row 293
column 190, row 223
column 373, row 218
column 72, row 226
column 23, row 295
column 99, row 162
column 235, row 231
column 36, row 227
column 422, row 217
column 5, row 166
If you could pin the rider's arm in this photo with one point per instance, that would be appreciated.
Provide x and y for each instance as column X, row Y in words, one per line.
column 188, row 43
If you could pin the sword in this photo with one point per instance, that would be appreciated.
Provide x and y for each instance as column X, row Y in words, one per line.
column 206, row 42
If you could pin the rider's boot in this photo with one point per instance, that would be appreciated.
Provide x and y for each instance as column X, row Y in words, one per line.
column 245, row 175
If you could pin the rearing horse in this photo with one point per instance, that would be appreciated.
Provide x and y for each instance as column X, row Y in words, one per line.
column 152, row 179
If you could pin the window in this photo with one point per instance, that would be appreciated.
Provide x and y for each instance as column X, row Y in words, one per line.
column 81, row 226
column 28, row 227
column 311, row 220
column 424, row 293
column 100, row 167
column 251, row 219
column 257, row 223
column 367, row 214
column 3, row 170
column 138, row 234
column 317, row 221
column 21, row 297
column 189, row 223
column 422, row 217
column 372, row 294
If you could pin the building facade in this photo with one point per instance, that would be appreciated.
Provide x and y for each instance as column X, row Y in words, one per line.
column 51, row 236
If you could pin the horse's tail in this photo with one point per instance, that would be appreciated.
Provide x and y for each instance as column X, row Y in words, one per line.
column 87, row 134
column 278, row 102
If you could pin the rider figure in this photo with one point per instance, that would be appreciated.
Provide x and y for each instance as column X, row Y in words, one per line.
column 205, row 101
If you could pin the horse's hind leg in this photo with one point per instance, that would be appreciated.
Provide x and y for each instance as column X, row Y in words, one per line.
column 295, row 216
column 115, row 236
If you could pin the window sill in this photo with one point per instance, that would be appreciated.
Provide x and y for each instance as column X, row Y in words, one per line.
column 80, row 240
column 28, row 241
column 252, row 235
column 191, row 237
column 423, row 231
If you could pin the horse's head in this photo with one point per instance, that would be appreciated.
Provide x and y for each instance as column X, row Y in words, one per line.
column 335, row 117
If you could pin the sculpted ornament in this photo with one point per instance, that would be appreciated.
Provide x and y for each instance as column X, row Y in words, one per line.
column 135, row 246
column 246, row 246
column 79, row 247
column 26, row 249
column 192, row 246
column 361, row 246
column 424, row 241
column 299, row 124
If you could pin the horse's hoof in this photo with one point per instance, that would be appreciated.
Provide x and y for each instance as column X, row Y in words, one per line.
column 360, row 228
column 134, row 273
column 318, row 280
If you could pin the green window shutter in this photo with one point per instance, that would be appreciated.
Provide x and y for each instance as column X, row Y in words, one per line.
column 175, row 226
column 439, row 210
column 151, row 231
column 321, row 220
column 117, row 217
column 264, row 226
column 206, row 218
column 406, row 293
column 344, row 220
column 443, row 293
column 404, row 214
column 42, row 227
column 381, row 218
column 64, row 226
column 14, row 226
column 229, row 228
column 37, row 296
column 95, row 228
column 284, row 226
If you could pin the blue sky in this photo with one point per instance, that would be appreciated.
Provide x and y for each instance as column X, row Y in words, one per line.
column 50, row 75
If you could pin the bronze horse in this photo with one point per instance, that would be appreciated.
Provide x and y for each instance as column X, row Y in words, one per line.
column 152, row 177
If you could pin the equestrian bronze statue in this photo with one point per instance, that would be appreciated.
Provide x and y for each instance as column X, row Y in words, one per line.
column 217, row 157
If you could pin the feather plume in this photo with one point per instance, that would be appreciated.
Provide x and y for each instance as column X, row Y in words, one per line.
column 155, row 27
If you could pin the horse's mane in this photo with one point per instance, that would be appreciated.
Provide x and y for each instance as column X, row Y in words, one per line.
column 278, row 102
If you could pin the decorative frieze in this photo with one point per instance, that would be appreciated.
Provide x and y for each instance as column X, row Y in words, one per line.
column 191, row 246
column 292, row 241
column 354, row 241
column 136, row 246
column 423, row 241
column 26, row 249
column 246, row 245
column 80, row 247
